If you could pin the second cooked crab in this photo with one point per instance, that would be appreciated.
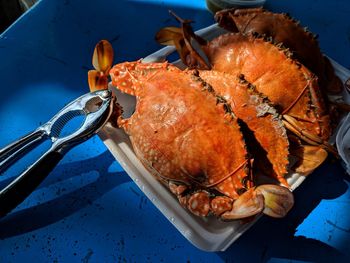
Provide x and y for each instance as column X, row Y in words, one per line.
column 283, row 29
column 289, row 85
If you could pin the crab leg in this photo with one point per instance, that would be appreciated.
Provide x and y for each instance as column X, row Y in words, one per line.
column 201, row 203
column 187, row 43
column 248, row 204
column 293, row 125
column 308, row 158
column 272, row 200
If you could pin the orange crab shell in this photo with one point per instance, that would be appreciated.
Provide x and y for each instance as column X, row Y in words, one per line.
column 283, row 29
column 191, row 187
column 260, row 117
column 288, row 84
column 180, row 131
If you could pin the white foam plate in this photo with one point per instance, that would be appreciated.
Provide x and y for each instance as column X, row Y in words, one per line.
column 208, row 234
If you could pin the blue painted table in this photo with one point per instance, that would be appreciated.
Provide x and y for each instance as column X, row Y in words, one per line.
column 88, row 209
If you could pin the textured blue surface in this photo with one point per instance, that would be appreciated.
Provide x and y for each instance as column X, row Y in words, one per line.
column 88, row 210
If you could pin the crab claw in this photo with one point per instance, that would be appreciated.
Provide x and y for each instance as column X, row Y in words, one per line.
column 293, row 125
column 187, row 43
column 172, row 36
column 169, row 36
column 278, row 200
column 102, row 58
column 248, row 204
column 272, row 200
column 102, row 61
column 97, row 81
column 308, row 158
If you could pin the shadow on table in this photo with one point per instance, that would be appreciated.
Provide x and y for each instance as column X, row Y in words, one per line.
column 49, row 212
column 271, row 238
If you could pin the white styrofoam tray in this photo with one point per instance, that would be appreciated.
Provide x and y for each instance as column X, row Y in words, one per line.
column 208, row 234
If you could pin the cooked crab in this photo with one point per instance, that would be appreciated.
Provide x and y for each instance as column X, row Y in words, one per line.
column 247, row 104
column 283, row 29
column 289, row 85
column 260, row 117
column 189, row 139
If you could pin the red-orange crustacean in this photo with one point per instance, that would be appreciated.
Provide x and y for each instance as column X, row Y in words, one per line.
column 283, row 29
column 247, row 71
column 260, row 117
column 289, row 85
column 188, row 137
